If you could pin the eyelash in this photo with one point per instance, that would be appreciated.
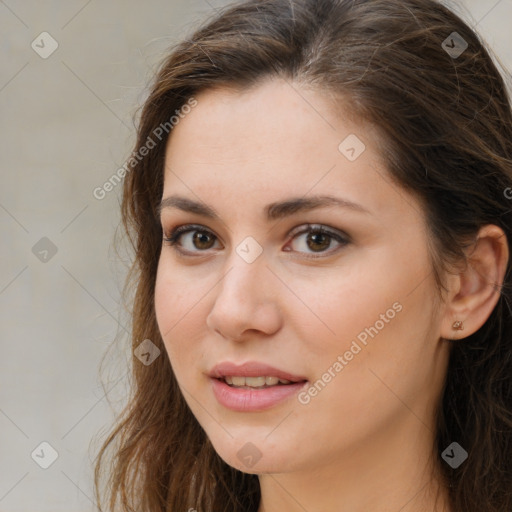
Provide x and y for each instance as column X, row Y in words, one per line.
column 173, row 237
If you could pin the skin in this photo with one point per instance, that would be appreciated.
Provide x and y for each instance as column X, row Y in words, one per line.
column 365, row 441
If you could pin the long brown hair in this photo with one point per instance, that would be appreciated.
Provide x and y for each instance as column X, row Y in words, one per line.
column 446, row 122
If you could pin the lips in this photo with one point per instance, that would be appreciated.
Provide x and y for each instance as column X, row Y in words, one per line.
column 282, row 386
column 252, row 369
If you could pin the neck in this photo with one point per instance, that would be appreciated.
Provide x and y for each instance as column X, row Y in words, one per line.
column 387, row 473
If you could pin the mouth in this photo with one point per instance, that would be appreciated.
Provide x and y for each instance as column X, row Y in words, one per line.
column 253, row 374
column 253, row 386
column 238, row 381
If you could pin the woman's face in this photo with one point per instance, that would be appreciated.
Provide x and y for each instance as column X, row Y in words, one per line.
column 348, row 314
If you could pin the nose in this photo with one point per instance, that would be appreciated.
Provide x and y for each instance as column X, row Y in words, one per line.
column 246, row 301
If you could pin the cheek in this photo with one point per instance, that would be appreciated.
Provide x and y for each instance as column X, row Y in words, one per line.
column 344, row 305
column 177, row 306
column 376, row 317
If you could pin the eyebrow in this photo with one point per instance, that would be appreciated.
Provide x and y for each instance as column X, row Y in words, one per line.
column 273, row 211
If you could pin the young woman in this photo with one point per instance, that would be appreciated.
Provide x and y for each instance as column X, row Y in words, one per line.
column 319, row 202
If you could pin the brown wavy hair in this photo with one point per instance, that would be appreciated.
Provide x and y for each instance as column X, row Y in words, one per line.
column 446, row 122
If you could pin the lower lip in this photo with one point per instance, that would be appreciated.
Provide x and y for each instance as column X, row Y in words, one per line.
column 245, row 400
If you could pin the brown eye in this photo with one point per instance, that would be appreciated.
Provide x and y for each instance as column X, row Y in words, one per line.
column 317, row 240
column 201, row 239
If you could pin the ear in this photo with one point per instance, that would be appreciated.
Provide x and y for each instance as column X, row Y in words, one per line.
column 475, row 291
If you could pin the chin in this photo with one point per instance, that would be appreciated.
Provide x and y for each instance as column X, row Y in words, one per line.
column 255, row 455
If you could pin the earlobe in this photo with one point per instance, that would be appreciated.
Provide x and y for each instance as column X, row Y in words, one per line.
column 476, row 289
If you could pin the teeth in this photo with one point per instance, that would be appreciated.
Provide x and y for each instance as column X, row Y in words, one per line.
column 254, row 382
column 271, row 381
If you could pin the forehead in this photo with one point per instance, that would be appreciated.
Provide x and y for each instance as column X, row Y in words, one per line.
column 271, row 127
column 271, row 142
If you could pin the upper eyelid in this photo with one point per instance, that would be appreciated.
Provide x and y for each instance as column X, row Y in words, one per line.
column 184, row 228
column 312, row 226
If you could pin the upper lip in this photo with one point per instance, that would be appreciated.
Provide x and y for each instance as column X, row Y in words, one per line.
column 251, row 369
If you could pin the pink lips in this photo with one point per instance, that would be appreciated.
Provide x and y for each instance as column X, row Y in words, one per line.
column 252, row 369
column 246, row 400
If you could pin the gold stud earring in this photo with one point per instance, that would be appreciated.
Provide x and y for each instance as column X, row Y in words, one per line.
column 458, row 325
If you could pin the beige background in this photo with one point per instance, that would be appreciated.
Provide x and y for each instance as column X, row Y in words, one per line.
column 66, row 128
